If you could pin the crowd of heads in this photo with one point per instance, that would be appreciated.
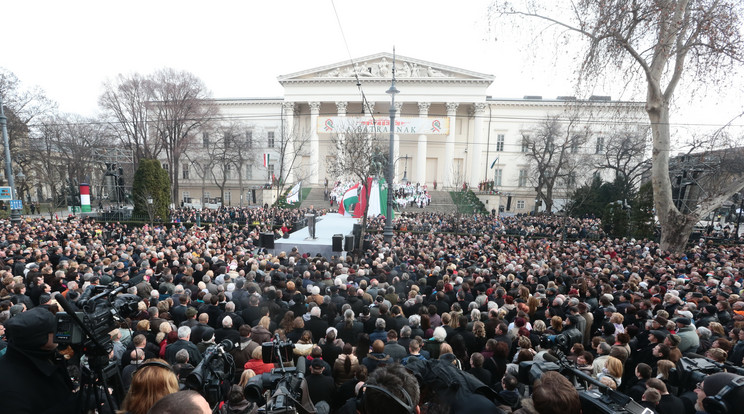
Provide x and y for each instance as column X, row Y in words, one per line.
column 476, row 292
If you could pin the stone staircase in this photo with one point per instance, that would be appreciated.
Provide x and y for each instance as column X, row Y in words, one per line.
column 315, row 198
column 441, row 202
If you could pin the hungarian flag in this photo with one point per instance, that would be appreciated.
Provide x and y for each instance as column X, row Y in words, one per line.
column 350, row 198
column 377, row 198
column 266, row 159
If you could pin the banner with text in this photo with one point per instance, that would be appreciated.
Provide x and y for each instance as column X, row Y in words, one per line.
column 340, row 125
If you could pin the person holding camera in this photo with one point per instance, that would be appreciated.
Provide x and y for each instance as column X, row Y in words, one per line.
column 34, row 378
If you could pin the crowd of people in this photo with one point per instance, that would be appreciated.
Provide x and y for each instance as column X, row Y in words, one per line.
column 461, row 298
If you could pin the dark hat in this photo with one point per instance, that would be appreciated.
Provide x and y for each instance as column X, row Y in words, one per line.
column 684, row 321
column 190, row 312
column 661, row 320
column 31, row 329
column 713, row 384
column 697, row 294
column 711, row 309
column 660, row 335
column 724, row 294
column 317, row 363
column 674, row 339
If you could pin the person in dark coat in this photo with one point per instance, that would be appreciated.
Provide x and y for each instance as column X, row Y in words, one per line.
column 183, row 342
column 477, row 370
column 376, row 358
column 35, row 379
column 227, row 331
column 316, row 325
column 320, row 387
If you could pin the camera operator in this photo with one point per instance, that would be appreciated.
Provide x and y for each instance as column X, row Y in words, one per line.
column 34, row 378
column 711, row 386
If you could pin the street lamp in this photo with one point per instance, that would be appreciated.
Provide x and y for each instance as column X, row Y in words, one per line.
column 537, row 204
column 149, row 208
column 388, row 231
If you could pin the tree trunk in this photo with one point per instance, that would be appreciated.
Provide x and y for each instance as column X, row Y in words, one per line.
column 675, row 226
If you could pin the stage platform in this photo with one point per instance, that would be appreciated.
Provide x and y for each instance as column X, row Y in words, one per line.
column 326, row 226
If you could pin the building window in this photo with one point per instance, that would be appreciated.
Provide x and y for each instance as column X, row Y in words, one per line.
column 497, row 177
column 207, row 196
column 522, row 178
column 186, row 197
column 520, row 204
column 271, row 172
column 575, row 144
column 205, row 140
column 228, row 171
column 500, row 142
column 249, row 139
column 228, row 198
column 248, row 172
column 185, row 171
column 526, row 143
column 600, row 145
column 228, row 138
column 571, row 180
column 271, row 139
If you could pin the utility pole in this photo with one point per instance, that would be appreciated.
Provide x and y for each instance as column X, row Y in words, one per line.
column 388, row 231
column 15, row 215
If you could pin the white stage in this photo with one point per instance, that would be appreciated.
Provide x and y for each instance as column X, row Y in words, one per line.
column 325, row 227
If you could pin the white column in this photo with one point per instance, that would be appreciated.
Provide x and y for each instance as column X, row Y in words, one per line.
column 421, row 153
column 396, row 142
column 476, row 173
column 314, row 146
column 341, row 112
column 449, row 146
column 288, row 137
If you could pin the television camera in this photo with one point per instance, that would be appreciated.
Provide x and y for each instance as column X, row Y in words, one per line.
column 284, row 389
column 211, row 378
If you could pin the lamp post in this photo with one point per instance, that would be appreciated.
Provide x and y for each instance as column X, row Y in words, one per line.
column 15, row 215
column 537, row 204
column 388, row 231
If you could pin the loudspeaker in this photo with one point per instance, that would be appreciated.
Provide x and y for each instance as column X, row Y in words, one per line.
column 357, row 232
column 267, row 240
column 338, row 240
column 349, row 243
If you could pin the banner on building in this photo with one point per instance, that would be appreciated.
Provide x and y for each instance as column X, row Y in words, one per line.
column 340, row 125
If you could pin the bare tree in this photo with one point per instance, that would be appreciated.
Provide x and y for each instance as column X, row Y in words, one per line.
column 655, row 43
column 625, row 156
column 359, row 156
column 125, row 99
column 291, row 146
column 180, row 108
column 554, row 155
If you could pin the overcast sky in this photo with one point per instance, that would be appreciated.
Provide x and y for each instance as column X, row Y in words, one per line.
column 238, row 48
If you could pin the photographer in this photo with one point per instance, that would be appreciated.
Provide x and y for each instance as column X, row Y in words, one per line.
column 34, row 378
column 712, row 385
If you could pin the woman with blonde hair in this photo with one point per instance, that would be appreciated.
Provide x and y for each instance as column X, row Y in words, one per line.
column 245, row 376
column 152, row 381
column 613, row 369
column 617, row 320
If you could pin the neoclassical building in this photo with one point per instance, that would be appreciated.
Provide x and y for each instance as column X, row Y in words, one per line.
column 448, row 130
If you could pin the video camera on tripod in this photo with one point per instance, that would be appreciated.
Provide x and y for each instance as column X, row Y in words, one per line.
column 210, row 376
column 283, row 390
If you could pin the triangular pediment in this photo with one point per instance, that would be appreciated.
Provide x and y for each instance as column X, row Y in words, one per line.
column 379, row 66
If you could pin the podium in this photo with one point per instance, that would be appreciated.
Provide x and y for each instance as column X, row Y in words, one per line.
column 310, row 218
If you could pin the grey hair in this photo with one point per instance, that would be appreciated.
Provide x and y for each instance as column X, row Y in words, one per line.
column 380, row 323
column 414, row 320
column 704, row 332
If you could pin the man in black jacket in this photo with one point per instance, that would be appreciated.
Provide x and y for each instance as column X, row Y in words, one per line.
column 35, row 379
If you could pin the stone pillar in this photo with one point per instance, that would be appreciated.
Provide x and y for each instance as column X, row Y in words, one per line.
column 396, row 141
column 422, row 141
column 449, row 146
column 476, row 173
column 341, row 112
column 288, row 136
column 314, row 146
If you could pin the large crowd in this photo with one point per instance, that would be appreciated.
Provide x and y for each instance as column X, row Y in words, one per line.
column 471, row 296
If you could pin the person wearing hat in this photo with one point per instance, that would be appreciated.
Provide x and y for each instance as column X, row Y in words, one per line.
column 39, row 382
column 321, row 388
column 712, row 385
column 689, row 341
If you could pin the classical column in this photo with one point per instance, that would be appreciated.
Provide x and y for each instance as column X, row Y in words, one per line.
column 314, row 146
column 476, row 173
column 421, row 153
column 449, row 146
column 341, row 112
column 396, row 138
column 288, row 137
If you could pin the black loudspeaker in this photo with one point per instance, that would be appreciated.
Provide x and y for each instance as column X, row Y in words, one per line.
column 338, row 240
column 349, row 243
column 267, row 240
column 357, row 232
column 508, row 203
